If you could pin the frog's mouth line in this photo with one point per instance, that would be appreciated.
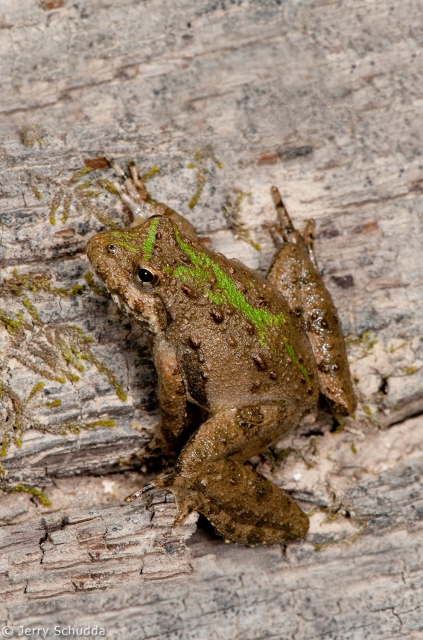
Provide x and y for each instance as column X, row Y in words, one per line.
column 126, row 309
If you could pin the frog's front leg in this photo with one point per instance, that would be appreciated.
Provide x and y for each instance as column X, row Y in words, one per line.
column 211, row 478
column 172, row 399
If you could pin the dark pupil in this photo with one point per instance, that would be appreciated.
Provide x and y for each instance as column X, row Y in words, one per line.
column 145, row 275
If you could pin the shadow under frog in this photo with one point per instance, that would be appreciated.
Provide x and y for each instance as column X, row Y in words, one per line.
column 254, row 353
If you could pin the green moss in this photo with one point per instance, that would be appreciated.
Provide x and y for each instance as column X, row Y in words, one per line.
column 79, row 174
column 80, row 426
column 33, row 491
column 94, row 286
column 53, row 403
column 84, row 185
column 54, row 205
column 371, row 344
column 67, row 201
column 31, row 310
column 78, row 193
column 362, row 339
column 409, row 370
column 400, row 346
column 367, row 410
column 200, row 165
column 353, row 449
column 275, row 458
column 51, row 351
column 35, row 190
column 201, row 181
column 339, row 428
column 34, row 283
column 149, row 174
column 109, row 187
column 36, row 389
column 12, row 325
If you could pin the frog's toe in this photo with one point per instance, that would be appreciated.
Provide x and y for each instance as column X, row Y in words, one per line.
column 161, row 482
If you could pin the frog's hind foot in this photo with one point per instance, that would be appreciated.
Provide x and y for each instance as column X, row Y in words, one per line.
column 286, row 230
column 187, row 500
column 285, row 222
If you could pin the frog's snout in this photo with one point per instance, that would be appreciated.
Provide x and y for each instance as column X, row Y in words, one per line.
column 94, row 247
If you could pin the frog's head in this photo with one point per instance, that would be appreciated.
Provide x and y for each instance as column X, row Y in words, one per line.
column 126, row 263
column 134, row 265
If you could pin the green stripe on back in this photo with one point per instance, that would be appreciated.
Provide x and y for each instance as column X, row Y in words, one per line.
column 148, row 244
column 200, row 275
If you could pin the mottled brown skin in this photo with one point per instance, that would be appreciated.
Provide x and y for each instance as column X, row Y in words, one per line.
column 253, row 353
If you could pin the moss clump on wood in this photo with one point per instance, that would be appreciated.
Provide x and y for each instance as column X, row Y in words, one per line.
column 33, row 491
column 232, row 210
column 77, row 427
column 54, row 351
column 200, row 165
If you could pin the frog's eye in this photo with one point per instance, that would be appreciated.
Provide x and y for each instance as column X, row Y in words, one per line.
column 146, row 276
column 112, row 248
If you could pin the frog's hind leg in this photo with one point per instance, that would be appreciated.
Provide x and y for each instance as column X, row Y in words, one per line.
column 246, row 507
column 295, row 274
column 285, row 272
column 210, row 477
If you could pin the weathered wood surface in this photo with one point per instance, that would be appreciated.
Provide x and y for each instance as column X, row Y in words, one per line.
column 322, row 99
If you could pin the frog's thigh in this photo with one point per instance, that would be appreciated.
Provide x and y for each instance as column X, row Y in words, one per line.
column 237, row 433
column 324, row 331
column 297, row 278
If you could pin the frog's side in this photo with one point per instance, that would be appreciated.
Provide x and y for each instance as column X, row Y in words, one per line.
column 228, row 340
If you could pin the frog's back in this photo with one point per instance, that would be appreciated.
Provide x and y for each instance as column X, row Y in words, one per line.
column 237, row 342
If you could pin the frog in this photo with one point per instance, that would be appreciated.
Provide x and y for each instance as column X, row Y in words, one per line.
column 255, row 354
